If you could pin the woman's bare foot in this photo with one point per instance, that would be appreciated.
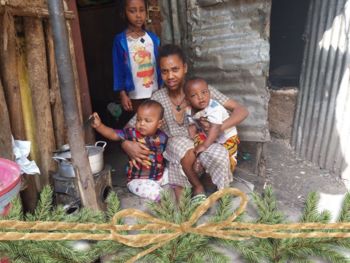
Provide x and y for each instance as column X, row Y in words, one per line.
column 196, row 190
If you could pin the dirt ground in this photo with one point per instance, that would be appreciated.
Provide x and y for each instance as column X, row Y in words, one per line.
column 291, row 178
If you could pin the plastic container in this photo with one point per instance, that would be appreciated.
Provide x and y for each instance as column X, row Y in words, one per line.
column 115, row 109
column 10, row 183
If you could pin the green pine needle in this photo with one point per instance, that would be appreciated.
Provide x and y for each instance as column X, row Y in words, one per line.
column 345, row 212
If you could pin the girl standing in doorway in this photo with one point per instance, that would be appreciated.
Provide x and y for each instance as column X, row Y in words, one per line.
column 135, row 53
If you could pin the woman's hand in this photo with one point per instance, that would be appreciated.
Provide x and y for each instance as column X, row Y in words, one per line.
column 125, row 100
column 238, row 114
column 137, row 152
column 199, row 149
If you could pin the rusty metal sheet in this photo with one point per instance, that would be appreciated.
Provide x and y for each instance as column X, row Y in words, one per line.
column 228, row 46
column 321, row 131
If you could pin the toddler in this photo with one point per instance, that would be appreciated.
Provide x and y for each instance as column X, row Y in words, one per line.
column 144, row 179
column 203, row 109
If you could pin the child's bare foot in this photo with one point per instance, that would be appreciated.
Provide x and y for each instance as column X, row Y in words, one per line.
column 197, row 167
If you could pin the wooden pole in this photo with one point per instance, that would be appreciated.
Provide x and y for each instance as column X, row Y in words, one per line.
column 55, row 96
column 84, row 176
column 29, row 194
column 81, row 68
column 5, row 131
column 8, row 68
column 75, row 71
column 28, row 11
column 38, row 79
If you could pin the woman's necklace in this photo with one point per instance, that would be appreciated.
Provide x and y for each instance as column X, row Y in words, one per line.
column 178, row 105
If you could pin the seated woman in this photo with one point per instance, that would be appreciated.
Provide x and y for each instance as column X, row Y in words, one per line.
column 180, row 147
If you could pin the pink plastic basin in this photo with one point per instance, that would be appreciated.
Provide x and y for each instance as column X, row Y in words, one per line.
column 10, row 179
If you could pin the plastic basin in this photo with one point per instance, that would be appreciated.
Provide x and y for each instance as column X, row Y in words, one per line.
column 10, row 183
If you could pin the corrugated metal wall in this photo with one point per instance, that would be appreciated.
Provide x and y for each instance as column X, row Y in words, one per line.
column 228, row 46
column 321, row 131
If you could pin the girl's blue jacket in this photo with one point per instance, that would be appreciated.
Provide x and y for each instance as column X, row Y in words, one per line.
column 122, row 77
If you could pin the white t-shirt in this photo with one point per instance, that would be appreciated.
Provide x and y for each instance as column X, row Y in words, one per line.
column 143, row 66
column 214, row 113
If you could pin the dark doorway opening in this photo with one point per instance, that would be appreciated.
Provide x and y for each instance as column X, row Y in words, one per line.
column 99, row 23
column 288, row 21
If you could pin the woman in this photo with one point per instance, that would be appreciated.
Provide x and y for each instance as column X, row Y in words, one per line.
column 179, row 151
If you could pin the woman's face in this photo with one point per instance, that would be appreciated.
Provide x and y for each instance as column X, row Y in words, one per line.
column 173, row 71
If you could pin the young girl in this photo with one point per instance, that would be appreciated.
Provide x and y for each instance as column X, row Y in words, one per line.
column 135, row 53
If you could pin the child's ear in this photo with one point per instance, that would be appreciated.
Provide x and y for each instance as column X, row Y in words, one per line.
column 160, row 123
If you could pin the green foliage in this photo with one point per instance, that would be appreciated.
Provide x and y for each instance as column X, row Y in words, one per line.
column 267, row 207
column 292, row 250
column 189, row 247
column 57, row 251
column 186, row 248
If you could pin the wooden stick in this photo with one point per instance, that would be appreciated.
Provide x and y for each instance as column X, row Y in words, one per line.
column 5, row 131
column 8, row 69
column 75, row 71
column 81, row 68
column 55, row 95
column 29, row 195
column 31, row 12
column 37, row 69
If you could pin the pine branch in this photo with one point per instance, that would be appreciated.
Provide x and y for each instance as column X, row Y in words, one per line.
column 225, row 210
column 43, row 209
column 16, row 210
column 186, row 207
column 247, row 249
column 208, row 254
column 165, row 209
column 113, row 206
column 267, row 207
column 345, row 211
column 310, row 213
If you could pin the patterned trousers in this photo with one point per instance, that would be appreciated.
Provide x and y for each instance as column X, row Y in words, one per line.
column 231, row 146
column 215, row 161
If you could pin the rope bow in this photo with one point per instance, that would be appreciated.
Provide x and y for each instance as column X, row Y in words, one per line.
column 175, row 230
column 167, row 231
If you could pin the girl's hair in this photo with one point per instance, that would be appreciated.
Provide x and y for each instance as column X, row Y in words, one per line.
column 122, row 12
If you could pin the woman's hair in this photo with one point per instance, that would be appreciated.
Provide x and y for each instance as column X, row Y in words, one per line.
column 122, row 12
column 171, row 49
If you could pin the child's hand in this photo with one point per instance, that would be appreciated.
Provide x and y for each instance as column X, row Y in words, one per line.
column 192, row 130
column 199, row 149
column 205, row 124
column 125, row 101
column 96, row 122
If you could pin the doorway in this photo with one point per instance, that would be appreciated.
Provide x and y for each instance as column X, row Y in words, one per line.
column 288, row 21
column 99, row 23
